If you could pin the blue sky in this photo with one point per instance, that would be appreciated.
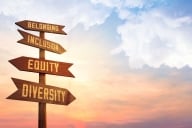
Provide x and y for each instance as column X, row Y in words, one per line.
column 132, row 62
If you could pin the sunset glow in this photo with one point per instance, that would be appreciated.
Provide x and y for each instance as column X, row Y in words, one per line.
column 131, row 61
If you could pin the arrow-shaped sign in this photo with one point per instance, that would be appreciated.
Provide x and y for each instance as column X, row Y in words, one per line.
column 42, row 66
column 35, row 41
column 35, row 92
column 39, row 26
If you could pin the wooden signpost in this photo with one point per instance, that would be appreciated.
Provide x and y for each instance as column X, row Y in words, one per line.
column 40, row 92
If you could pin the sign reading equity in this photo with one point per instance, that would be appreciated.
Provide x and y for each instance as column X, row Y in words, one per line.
column 39, row 26
column 42, row 66
column 38, row 42
column 35, row 92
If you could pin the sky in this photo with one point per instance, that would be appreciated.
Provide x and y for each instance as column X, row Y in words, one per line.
column 132, row 63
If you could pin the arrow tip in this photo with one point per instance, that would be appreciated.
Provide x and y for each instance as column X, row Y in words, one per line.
column 11, row 61
column 71, row 98
column 17, row 23
column 20, row 23
column 17, row 62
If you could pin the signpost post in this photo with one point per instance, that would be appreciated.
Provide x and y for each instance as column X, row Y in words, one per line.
column 40, row 92
column 42, row 120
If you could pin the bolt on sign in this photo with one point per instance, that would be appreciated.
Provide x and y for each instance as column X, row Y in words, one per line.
column 40, row 92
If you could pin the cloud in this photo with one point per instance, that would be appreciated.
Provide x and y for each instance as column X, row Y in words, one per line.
column 134, row 3
column 149, row 36
column 127, row 3
column 153, row 38
column 108, row 3
column 64, row 12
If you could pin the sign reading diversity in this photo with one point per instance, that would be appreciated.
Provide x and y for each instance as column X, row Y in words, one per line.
column 40, row 92
column 35, row 92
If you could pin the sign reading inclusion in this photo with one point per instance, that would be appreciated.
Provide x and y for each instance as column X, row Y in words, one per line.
column 35, row 41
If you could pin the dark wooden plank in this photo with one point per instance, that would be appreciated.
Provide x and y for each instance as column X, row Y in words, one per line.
column 38, row 42
column 42, row 27
column 42, row 66
column 36, row 92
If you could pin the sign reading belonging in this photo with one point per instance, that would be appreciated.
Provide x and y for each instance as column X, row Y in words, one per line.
column 42, row 27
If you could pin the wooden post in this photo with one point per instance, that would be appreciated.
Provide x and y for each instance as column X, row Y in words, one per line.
column 42, row 122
